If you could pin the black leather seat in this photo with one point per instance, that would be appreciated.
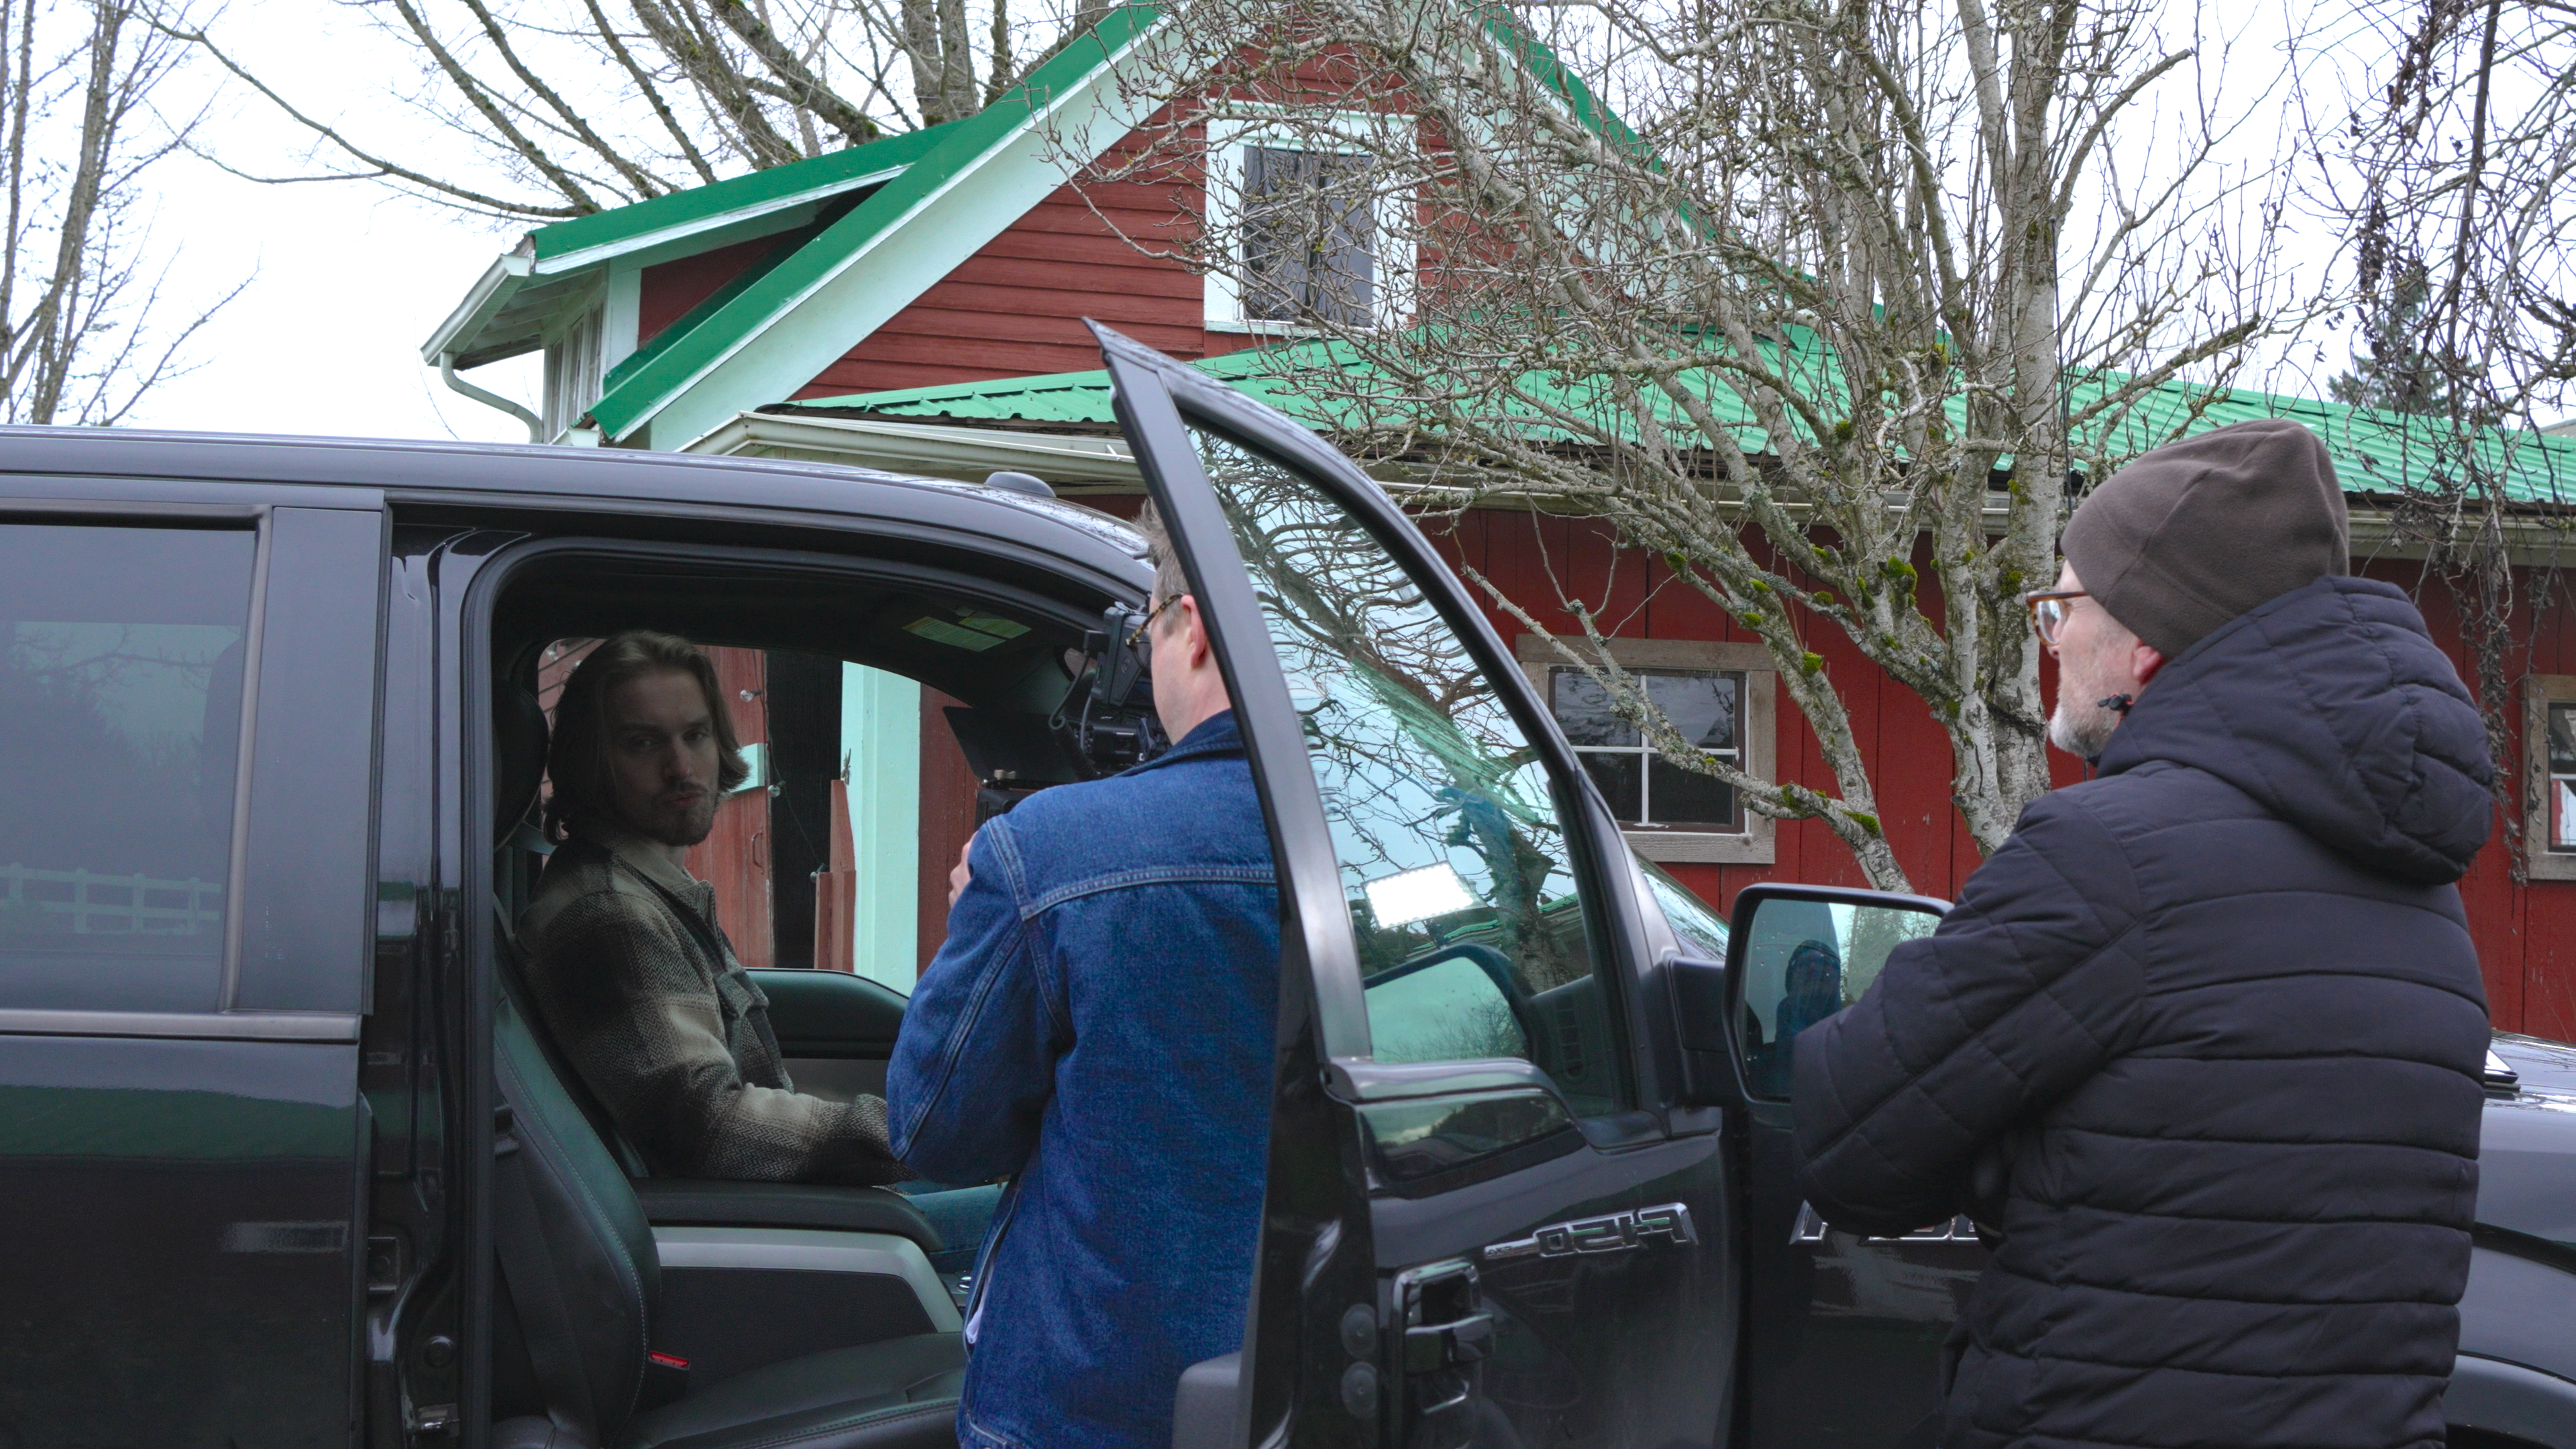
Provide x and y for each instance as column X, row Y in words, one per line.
column 580, row 1282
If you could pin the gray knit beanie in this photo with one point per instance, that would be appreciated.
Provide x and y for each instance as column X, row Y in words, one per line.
column 2195, row 533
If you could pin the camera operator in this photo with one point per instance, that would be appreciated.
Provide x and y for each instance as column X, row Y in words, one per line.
column 1098, row 1028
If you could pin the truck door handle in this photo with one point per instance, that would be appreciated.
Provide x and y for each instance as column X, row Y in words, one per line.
column 1436, row 1346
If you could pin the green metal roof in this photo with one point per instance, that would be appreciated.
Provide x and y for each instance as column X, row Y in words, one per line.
column 2374, row 452
column 555, row 271
column 796, row 180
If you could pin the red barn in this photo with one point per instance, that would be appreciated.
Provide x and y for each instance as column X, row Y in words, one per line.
column 916, row 305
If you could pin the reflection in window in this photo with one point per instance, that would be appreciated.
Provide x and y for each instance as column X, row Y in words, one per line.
column 2562, row 777
column 1443, row 818
column 1805, row 961
column 1644, row 790
column 120, row 698
column 1700, row 930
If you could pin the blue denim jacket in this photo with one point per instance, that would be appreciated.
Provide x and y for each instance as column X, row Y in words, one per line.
column 1099, row 1025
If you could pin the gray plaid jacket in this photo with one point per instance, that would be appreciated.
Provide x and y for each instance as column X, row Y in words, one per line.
column 641, row 990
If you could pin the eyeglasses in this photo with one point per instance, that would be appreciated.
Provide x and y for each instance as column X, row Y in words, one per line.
column 1138, row 637
column 2048, row 610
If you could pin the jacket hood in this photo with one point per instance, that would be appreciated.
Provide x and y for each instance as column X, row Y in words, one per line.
column 2332, row 707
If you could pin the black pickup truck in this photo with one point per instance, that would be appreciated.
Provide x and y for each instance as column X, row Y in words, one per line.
column 288, row 1161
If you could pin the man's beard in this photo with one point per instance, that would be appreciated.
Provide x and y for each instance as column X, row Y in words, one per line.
column 2082, row 723
column 681, row 825
column 2079, row 726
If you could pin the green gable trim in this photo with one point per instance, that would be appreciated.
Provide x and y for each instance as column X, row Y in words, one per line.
column 962, row 144
column 2375, row 452
column 1543, row 64
column 716, row 302
column 779, row 185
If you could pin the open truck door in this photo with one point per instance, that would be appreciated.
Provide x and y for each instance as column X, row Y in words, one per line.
column 1486, row 1220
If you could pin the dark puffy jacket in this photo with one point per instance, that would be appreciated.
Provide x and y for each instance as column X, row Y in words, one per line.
column 2218, row 1013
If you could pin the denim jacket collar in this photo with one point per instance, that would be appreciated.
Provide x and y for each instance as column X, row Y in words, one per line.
column 1215, row 735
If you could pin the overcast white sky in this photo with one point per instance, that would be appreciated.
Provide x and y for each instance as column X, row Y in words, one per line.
column 346, row 279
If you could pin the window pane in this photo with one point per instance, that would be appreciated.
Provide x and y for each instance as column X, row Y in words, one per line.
column 2562, row 782
column 1444, row 825
column 1308, row 236
column 1701, row 706
column 1582, row 709
column 120, row 696
column 1688, row 800
column 1621, row 780
column 1275, row 253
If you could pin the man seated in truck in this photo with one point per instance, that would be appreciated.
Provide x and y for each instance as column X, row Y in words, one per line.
column 631, row 973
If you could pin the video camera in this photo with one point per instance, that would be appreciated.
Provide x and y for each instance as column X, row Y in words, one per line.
column 1104, row 724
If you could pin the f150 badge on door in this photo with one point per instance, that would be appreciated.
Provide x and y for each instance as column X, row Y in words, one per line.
column 1616, row 1233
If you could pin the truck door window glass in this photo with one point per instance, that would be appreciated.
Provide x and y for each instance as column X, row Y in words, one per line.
column 121, row 698
column 1445, row 823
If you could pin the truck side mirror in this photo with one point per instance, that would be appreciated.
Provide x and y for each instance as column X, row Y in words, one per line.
column 1795, row 955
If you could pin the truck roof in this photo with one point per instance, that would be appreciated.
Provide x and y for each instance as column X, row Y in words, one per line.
column 219, row 467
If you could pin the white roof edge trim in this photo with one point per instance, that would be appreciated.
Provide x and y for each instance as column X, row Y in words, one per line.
column 1062, row 100
column 489, row 294
column 681, row 231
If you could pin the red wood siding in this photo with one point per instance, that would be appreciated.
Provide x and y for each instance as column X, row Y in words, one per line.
column 836, row 890
column 1015, row 308
column 947, row 817
column 735, row 856
column 668, row 291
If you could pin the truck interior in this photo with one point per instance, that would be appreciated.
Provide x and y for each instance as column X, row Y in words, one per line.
column 884, row 708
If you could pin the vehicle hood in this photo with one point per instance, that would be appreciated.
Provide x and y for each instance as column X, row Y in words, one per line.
column 2527, row 1151
column 2334, row 709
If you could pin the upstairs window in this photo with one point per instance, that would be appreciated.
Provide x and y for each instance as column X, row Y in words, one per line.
column 1307, row 237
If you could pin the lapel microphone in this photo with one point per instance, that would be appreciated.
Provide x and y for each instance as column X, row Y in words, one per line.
column 2116, row 703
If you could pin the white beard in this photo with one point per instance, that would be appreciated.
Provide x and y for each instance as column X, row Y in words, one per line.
column 2081, row 727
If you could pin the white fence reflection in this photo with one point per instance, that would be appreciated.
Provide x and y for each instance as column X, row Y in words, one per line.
column 98, row 904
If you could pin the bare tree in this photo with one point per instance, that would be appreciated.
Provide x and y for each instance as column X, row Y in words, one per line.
column 563, row 110
column 1828, row 328
column 78, row 300
column 2455, row 176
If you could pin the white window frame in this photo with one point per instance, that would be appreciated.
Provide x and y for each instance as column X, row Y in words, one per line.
column 1756, row 843
column 1227, row 137
column 2540, row 691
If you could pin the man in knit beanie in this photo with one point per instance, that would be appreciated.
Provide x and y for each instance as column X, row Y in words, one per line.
column 2176, row 544
column 2199, row 1045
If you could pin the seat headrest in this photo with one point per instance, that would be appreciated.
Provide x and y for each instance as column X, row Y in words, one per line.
column 518, row 756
